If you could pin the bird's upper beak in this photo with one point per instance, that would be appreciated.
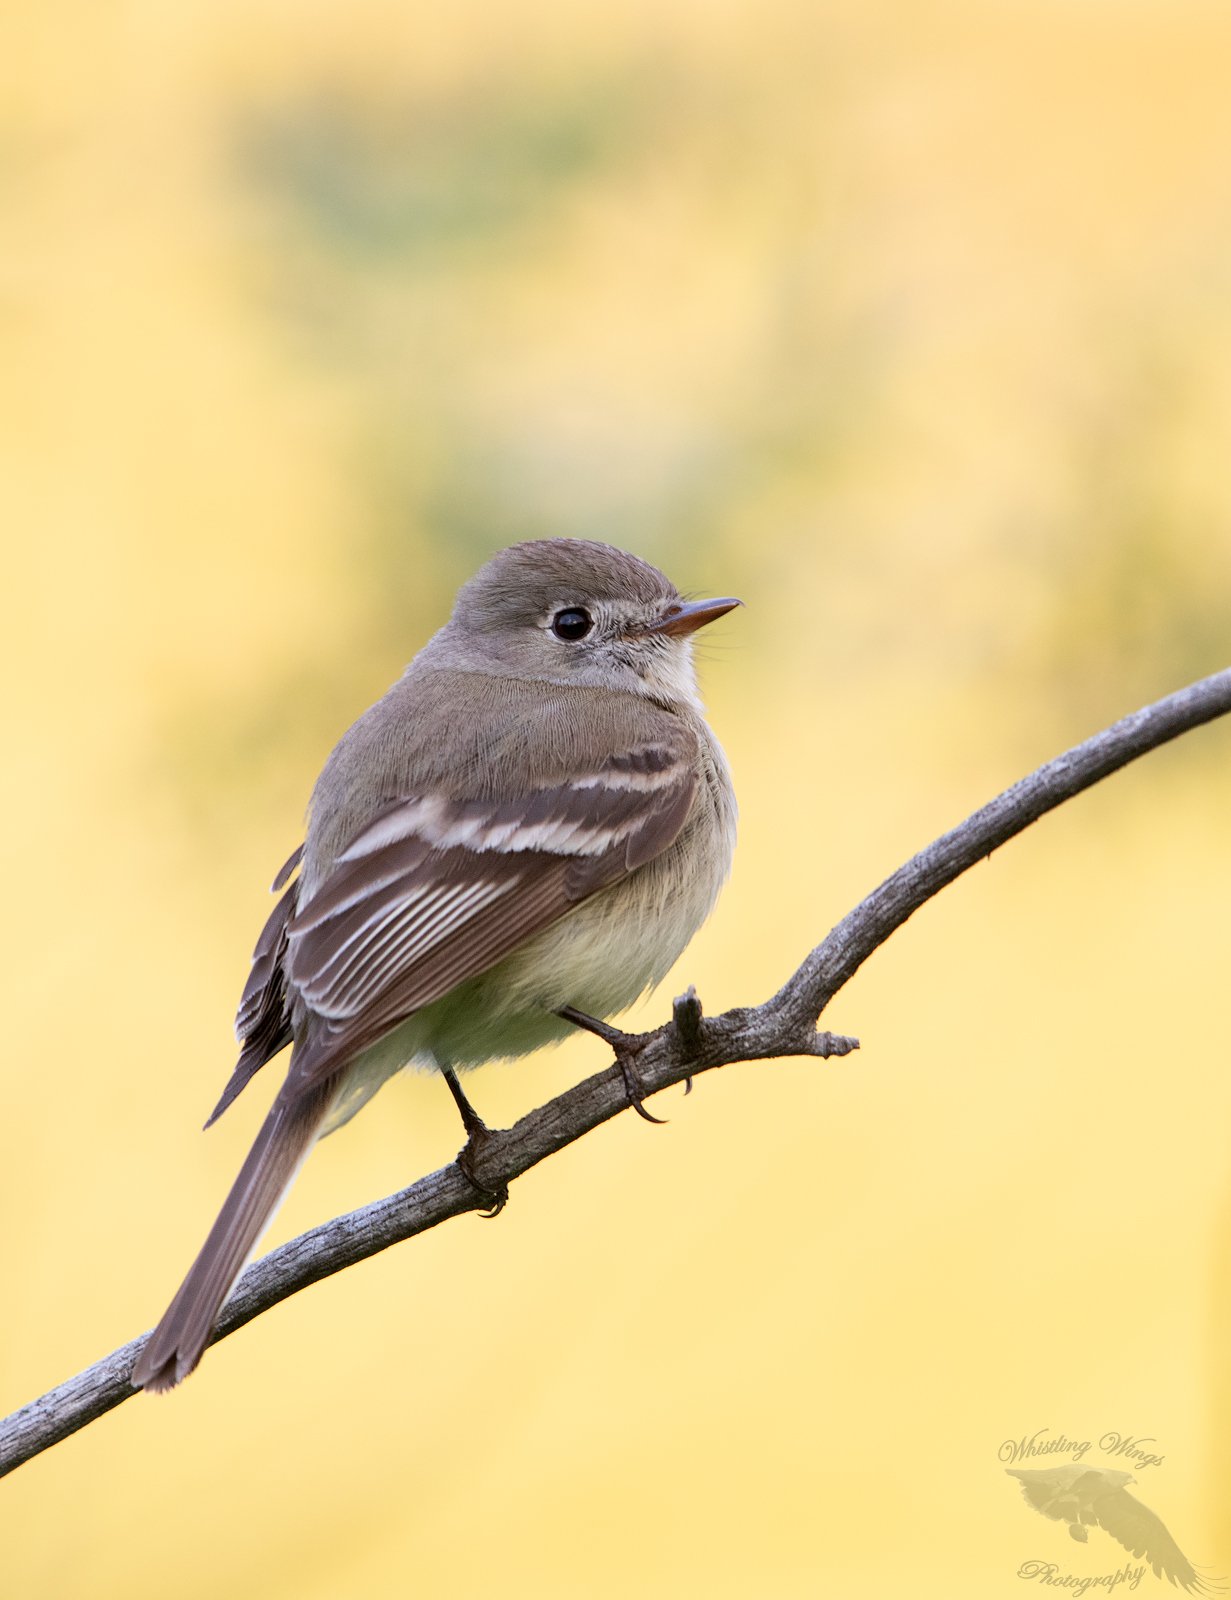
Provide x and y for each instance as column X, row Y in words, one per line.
column 687, row 616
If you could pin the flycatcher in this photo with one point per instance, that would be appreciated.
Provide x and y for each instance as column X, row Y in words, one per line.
column 533, row 821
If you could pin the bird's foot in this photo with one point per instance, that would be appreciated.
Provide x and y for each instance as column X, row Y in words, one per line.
column 478, row 1134
column 633, row 1090
column 625, row 1047
column 494, row 1200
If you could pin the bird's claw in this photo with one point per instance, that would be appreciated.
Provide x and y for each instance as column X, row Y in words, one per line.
column 624, row 1046
column 632, row 1088
column 494, row 1200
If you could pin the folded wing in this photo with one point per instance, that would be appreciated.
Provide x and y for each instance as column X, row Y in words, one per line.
column 437, row 889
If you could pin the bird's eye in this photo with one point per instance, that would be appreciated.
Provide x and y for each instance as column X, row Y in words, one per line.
column 571, row 624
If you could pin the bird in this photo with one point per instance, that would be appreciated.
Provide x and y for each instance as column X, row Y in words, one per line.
column 520, row 837
column 1098, row 1497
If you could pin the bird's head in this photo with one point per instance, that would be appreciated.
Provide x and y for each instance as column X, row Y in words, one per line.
column 587, row 615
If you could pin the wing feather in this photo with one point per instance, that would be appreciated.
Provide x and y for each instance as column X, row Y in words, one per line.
column 263, row 1021
column 436, row 890
column 1143, row 1532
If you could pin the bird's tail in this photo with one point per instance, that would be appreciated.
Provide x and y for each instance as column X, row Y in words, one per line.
column 178, row 1342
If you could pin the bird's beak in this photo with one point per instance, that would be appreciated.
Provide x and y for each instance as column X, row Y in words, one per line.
column 687, row 616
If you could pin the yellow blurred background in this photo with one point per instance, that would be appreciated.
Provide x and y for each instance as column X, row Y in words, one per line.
column 911, row 324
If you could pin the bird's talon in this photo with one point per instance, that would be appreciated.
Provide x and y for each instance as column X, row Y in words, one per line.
column 495, row 1199
column 624, row 1045
column 632, row 1089
column 500, row 1199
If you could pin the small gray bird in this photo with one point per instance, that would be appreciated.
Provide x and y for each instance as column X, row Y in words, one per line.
column 1097, row 1497
column 521, row 836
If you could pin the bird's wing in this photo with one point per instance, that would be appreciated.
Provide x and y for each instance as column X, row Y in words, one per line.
column 436, row 890
column 1143, row 1533
column 263, row 1021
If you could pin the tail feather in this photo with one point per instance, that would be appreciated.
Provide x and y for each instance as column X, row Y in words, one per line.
column 178, row 1342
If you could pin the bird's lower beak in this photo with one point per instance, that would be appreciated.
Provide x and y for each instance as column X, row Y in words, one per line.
column 688, row 616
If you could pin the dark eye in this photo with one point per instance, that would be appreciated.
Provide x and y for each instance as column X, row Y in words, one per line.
column 571, row 624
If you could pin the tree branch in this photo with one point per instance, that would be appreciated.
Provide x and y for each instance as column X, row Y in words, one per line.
column 674, row 1053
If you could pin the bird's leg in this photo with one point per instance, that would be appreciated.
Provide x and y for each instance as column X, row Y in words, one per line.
column 477, row 1132
column 471, row 1120
column 625, row 1047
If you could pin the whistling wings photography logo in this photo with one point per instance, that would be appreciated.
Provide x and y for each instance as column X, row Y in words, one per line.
column 1083, row 1494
